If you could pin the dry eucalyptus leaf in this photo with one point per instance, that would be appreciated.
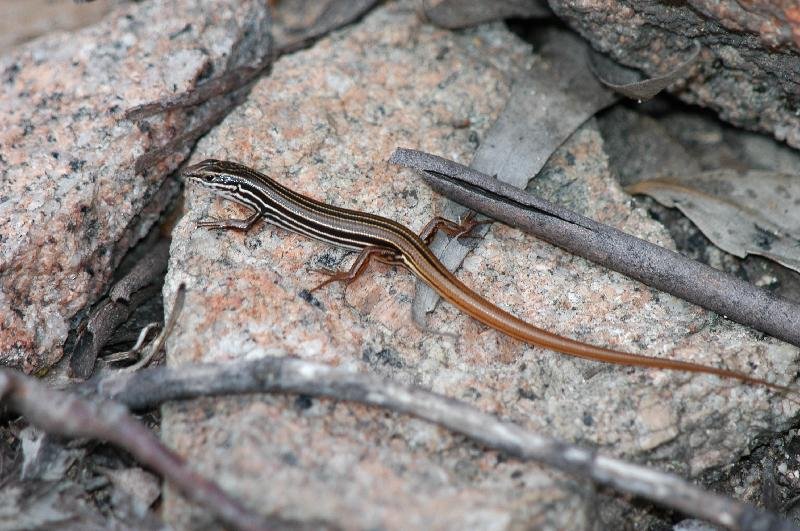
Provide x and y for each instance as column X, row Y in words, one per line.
column 756, row 212
column 45, row 457
column 626, row 81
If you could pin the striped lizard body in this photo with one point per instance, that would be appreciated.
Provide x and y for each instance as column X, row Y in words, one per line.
column 390, row 242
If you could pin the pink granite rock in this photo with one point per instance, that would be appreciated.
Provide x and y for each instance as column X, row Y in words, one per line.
column 324, row 123
column 70, row 204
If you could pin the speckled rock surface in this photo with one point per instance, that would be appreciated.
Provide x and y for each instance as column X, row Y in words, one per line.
column 324, row 123
column 70, row 204
column 749, row 67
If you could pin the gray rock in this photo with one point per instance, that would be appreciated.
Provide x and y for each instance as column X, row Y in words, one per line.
column 748, row 69
column 70, row 204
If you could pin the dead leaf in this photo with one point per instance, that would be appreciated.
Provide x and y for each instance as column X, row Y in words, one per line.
column 756, row 212
column 31, row 504
column 626, row 81
column 44, row 457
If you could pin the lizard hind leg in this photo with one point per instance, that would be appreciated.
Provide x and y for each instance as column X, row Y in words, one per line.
column 451, row 228
column 364, row 258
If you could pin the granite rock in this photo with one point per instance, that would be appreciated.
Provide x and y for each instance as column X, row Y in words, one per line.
column 70, row 204
column 324, row 123
column 747, row 71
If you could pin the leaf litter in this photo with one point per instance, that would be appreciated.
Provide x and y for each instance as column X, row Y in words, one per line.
column 744, row 213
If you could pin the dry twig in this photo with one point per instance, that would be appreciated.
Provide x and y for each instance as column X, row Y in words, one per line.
column 655, row 266
column 151, row 387
column 127, row 294
column 158, row 342
column 99, row 329
column 216, row 111
column 225, row 84
column 66, row 415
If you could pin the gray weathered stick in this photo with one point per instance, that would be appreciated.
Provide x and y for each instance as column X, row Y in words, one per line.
column 655, row 266
column 66, row 415
column 125, row 296
column 151, row 387
column 215, row 111
column 100, row 328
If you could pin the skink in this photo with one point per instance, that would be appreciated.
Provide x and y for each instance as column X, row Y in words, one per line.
column 390, row 242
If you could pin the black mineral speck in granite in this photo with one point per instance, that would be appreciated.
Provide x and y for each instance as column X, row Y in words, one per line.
column 303, row 402
column 527, row 394
column 382, row 357
column 11, row 72
column 309, row 298
column 290, row 458
column 186, row 29
column 327, row 260
column 474, row 140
